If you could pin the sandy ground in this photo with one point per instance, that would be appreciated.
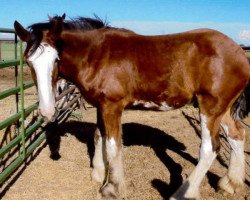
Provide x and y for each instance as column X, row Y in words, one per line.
column 160, row 150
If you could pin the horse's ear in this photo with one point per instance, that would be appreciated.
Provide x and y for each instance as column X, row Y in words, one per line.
column 50, row 18
column 56, row 26
column 63, row 16
column 22, row 33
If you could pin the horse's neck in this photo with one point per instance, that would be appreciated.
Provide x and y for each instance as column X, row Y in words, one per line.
column 74, row 53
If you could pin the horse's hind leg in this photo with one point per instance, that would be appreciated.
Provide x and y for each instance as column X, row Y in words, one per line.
column 190, row 188
column 210, row 117
column 235, row 133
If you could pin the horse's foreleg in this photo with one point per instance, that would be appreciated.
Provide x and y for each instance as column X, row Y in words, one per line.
column 114, row 184
column 190, row 188
column 99, row 164
column 234, row 179
column 99, row 159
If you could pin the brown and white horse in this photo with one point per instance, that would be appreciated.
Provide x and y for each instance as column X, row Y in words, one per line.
column 116, row 68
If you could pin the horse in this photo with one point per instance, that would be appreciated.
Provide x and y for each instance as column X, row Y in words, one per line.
column 116, row 69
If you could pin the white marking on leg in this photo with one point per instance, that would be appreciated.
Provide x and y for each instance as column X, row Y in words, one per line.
column 43, row 60
column 236, row 169
column 190, row 188
column 111, row 149
column 206, row 145
column 98, row 173
column 115, row 170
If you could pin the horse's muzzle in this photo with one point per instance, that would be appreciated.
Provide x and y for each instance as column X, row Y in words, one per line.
column 48, row 115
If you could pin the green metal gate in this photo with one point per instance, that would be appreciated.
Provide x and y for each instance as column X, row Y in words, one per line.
column 23, row 133
column 19, row 117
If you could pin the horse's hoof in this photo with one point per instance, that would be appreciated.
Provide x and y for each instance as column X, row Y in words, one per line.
column 109, row 192
column 176, row 197
column 185, row 192
column 228, row 185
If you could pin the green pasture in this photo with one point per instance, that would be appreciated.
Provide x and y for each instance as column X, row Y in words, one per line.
column 8, row 51
column 248, row 54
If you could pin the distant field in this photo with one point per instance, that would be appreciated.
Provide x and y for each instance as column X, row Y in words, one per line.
column 8, row 51
column 248, row 54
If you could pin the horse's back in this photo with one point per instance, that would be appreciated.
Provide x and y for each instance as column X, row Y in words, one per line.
column 169, row 69
column 177, row 67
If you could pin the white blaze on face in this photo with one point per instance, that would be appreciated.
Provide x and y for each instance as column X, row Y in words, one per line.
column 43, row 60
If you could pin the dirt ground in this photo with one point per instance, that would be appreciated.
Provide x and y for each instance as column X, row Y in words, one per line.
column 160, row 150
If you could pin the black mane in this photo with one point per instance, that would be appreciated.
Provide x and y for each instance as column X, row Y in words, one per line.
column 80, row 23
column 84, row 23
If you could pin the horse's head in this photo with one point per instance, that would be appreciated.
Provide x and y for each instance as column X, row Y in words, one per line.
column 42, row 56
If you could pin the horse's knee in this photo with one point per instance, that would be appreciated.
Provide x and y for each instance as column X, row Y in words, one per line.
column 232, row 128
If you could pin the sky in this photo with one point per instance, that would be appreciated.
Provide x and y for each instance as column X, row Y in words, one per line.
column 149, row 17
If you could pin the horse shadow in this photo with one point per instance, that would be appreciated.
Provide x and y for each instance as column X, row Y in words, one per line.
column 133, row 134
column 161, row 143
column 137, row 134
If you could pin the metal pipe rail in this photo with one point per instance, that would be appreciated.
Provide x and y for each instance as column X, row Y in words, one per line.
column 11, row 91
column 7, row 30
column 9, row 63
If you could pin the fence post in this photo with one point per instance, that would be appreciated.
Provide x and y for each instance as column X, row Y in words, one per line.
column 23, row 131
column 0, row 51
column 16, row 83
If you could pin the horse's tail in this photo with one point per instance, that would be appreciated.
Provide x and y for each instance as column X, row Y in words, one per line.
column 241, row 107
